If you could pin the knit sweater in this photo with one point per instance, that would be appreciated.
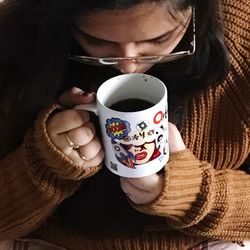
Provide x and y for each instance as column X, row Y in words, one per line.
column 205, row 193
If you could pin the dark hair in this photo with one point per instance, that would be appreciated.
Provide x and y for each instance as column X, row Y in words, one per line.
column 36, row 40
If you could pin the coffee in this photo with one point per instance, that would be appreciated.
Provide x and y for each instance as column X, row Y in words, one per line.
column 131, row 105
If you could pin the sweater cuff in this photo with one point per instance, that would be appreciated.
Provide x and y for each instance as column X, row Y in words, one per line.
column 185, row 196
column 41, row 151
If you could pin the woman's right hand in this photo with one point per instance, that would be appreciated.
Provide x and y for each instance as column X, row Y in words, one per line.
column 72, row 132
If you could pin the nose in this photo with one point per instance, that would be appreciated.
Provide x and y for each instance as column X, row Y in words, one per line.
column 127, row 67
column 128, row 50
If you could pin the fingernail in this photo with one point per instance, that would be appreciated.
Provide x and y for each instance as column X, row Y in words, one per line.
column 88, row 94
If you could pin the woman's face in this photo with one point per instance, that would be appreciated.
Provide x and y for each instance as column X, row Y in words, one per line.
column 145, row 29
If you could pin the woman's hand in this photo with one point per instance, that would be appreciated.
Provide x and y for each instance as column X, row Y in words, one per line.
column 146, row 189
column 73, row 133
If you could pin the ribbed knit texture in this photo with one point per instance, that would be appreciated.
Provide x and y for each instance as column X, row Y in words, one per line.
column 204, row 195
column 39, row 177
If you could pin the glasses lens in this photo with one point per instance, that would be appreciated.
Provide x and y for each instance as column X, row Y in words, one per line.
column 173, row 57
column 82, row 59
column 149, row 59
column 143, row 59
column 161, row 59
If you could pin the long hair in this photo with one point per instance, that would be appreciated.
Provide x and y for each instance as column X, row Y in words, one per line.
column 36, row 39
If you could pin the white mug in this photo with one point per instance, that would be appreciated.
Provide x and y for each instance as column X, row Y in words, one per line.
column 135, row 137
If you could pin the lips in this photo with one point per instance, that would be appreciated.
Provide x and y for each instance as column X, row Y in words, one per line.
column 141, row 156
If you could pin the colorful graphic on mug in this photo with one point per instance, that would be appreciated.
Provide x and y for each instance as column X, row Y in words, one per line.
column 117, row 128
column 143, row 144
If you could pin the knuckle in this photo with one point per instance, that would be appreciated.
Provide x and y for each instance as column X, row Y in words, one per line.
column 100, row 156
column 92, row 149
column 98, row 159
column 67, row 98
column 71, row 115
column 78, row 116
column 96, row 143
column 52, row 123
column 89, row 131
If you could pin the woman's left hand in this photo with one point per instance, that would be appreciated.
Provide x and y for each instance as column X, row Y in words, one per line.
column 142, row 190
column 146, row 189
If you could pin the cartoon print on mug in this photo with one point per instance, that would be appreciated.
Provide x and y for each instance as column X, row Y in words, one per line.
column 162, row 140
column 140, row 146
column 118, row 129
column 142, row 153
column 122, row 155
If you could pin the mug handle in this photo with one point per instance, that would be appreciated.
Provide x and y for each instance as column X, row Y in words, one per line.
column 92, row 107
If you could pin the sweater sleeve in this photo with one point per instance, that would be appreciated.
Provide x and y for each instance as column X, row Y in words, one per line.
column 34, row 180
column 236, row 26
column 202, row 201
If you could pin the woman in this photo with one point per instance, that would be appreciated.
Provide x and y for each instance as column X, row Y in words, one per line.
column 55, row 194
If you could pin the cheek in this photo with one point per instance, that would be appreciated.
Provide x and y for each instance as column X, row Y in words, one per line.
column 150, row 147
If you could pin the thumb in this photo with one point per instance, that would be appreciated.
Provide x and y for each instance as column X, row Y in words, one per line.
column 75, row 96
column 175, row 140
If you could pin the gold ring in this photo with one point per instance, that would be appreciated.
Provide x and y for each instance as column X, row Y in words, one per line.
column 70, row 142
column 83, row 157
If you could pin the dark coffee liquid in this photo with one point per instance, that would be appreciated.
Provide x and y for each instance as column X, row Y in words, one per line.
column 131, row 105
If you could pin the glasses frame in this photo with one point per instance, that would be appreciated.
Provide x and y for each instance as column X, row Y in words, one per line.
column 155, row 59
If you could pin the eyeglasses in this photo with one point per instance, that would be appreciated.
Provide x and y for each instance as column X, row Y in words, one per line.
column 156, row 59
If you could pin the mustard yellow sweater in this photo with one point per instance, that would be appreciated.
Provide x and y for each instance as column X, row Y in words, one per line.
column 205, row 193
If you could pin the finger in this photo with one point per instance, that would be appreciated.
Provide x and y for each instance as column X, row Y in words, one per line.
column 89, row 150
column 127, row 187
column 142, row 190
column 175, row 140
column 138, row 196
column 66, row 120
column 75, row 96
column 82, row 135
column 97, row 160
column 76, row 157
column 78, row 137
column 148, row 183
